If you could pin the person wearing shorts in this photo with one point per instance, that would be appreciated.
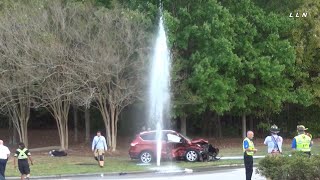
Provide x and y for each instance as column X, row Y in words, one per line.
column 99, row 146
column 23, row 154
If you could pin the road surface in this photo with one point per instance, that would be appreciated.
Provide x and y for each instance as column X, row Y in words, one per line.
column 225, row 174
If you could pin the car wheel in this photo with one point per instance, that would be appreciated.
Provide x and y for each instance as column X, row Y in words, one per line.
column 192, row 155
column 146, row 157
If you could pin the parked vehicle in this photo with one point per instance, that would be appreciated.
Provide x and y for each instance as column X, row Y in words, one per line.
column 175, row 146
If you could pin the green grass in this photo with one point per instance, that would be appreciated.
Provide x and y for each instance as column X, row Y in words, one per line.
column 46, row 165
column 80, row 165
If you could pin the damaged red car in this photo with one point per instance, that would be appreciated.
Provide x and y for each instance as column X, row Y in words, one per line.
column 175, row 146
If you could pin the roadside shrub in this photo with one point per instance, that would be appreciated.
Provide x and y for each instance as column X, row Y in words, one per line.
column 296, row 167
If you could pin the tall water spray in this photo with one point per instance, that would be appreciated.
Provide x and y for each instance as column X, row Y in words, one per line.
column 159, row 86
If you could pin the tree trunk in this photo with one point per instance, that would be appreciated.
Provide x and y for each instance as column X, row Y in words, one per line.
column 19, row 116
column 251, row 123
column 183, row 121
column 14, row 137
column 87, row 123
column 113, row 129
column 104, row 111
column 12, row 133
column 108, row 134
column 25, row 135
column 204, row 125
column 64, row 143
column 244, row 130
column 75, row 122
column 115, row 134
column 211, row 124
column 219, row 127
column 60, row 110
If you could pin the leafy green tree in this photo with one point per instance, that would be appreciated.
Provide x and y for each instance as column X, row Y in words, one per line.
column 200, row 39
column 265, row 80
column 306, row 38
column 229, row 56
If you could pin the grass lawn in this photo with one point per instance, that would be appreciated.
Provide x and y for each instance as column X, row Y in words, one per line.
column 46, row 165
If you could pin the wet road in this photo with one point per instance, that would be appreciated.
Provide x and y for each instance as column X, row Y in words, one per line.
column 225, row 174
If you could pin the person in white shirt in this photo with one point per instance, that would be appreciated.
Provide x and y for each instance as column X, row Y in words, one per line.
column 99, row 146
column 274, row 141
column 4, row 156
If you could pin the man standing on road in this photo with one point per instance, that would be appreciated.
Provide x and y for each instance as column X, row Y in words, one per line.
column 4, row 156
column 248, row 150
column 274, row 142
column 302, row 142
column 99, row 146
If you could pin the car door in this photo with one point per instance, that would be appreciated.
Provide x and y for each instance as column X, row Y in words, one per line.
column 174, row 144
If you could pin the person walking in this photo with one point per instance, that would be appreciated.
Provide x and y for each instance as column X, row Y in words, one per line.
column 99, row 146
column 302, row 142
column 4, row 156
column 23, row 154
column 274, row 142
column 248, row 150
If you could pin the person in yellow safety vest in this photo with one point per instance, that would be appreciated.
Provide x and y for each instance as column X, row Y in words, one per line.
column 248, row 151
column 23, row 154
column 302, row 142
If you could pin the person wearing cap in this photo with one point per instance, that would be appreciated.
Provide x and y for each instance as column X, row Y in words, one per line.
column 248, row 151
column 302, row 142
column 274, row 142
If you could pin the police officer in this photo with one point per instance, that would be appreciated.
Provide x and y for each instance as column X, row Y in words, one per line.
column 302, row 142
column 23, row 154
column 248, row 150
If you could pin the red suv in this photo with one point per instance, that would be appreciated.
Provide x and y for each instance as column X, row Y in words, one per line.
column 174, row 146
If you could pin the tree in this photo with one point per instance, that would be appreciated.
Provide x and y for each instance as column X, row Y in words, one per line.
column 265, row 78
column 114, row 52
column 202, row 41
column 306, row 38
column 60, row 80
column 225, row 66
column 17, row 34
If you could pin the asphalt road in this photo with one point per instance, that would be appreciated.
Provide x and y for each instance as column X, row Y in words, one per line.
column 225, row 174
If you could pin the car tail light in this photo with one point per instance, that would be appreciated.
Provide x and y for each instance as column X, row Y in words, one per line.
column 135, row 141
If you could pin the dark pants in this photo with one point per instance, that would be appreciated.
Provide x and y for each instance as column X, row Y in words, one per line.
column 3, row 163
column 248, row 164
column 308, row 153
column 23, row 166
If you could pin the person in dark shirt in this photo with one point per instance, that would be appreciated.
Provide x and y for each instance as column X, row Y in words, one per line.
column 23, row 154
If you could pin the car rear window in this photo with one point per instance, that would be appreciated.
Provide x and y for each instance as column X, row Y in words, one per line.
column 149, row 136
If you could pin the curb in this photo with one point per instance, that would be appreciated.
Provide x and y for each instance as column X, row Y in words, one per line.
column 196, row 169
